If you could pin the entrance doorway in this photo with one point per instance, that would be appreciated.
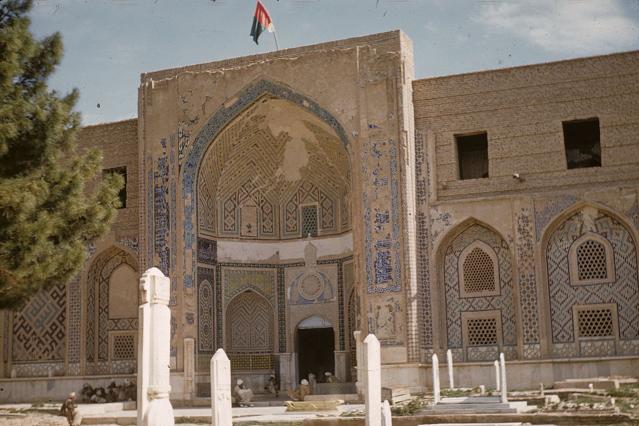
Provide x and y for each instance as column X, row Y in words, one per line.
column 315, row 348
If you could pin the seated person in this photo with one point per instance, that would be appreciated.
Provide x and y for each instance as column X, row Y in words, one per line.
column 243, row 395
column 299, row 393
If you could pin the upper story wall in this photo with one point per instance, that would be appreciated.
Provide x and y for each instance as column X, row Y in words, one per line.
column 118, row 142
column 521, row 110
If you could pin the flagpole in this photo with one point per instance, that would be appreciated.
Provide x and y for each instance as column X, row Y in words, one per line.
column 275, row 37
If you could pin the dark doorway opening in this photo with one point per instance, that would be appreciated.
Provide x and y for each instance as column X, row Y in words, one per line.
column 316, row 348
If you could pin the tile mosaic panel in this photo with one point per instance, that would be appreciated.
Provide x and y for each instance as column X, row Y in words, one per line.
column 525, row 251
column 39, row 329
column 206, row 311
column 98, row 301
column 381, row 234
column 624, row 291
column 455, row 304
column 211, row 129
column 75, row 317
column 206, row 251
column 423, row 247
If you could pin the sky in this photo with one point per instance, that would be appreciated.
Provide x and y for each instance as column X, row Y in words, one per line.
column 109, row 43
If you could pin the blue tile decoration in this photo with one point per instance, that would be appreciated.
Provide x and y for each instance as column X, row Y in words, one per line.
column 381, row 222
column 206, row 251
column 624, row 291
column 525, row 250
column 341, row 306
column 281, row 308
column 161, row 211
column 206, row 310
column 149, row 209
column 422, row 177
column 552, row 208
column 213, row 127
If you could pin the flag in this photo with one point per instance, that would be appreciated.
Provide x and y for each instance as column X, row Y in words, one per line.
column 261, row 21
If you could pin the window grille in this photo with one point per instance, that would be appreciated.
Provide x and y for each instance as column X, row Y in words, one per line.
column 309, row 221
column 591, row 261
column 482, row 331
column 123, row 347
column 479, row 272
column 595, row 322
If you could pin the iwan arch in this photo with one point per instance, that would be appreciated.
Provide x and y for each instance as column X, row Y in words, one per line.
column 297, row 196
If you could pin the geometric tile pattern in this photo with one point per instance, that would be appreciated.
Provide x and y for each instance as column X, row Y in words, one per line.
column 39, row 327
column 422, row 176
column 206, row 318
column 502, row 302
column 246, row 164
column 98, row 323
column 623, row 291
column 75, row 317
column 249, row 324
column 528, row 302
column 213, row 128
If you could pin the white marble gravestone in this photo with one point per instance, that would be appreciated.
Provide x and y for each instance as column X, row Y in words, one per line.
column 449, row 365
column 221, row 389
column 504, row 387
column 154, row 407
column 436, row 388
column 373, row 381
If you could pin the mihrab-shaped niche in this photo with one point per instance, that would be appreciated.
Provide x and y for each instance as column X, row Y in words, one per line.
column 312, row 285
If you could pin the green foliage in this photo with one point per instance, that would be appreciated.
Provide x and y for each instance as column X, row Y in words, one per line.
column 409, row 408
column 47, row 216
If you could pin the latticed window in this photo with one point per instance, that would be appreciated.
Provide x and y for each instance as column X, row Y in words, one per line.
column 482, row 331
column 591, row 261
column 123, row 347
column 595, row 322
column 309, row 221
column 479, row 272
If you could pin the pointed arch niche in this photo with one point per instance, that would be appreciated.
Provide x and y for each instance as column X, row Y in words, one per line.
column 111, row 313
column 477, row 297
column 275, row 172
column 591, row 284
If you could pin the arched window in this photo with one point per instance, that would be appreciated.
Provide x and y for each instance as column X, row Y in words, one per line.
column 479, row 272
column 591, row 260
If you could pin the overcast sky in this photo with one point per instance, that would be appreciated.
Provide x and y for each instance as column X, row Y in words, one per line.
column 108, row 43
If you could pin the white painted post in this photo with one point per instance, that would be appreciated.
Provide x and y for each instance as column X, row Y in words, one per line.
column 436, row 388
column 359, row 358
column 189, row 368
column 373, row 384
column 504, row 387
column 449, row 364
column 144, row 349
column 387, row 416
column 157, row 339
column 497, row 379
column 221, row 389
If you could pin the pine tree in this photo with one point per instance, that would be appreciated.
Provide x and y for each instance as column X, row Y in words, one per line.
column 47, row 213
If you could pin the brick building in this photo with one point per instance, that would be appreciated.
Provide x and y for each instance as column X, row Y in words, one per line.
column 297, row 196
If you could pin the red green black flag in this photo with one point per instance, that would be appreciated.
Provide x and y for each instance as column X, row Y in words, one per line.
column 261, row 21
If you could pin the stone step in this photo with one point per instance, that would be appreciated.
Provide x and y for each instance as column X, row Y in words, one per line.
column 597, row 383
column 480, row 424
column 485, row 410
column 471, row 400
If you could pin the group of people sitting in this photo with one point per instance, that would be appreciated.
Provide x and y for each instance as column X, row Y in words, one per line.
column 244, row 395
